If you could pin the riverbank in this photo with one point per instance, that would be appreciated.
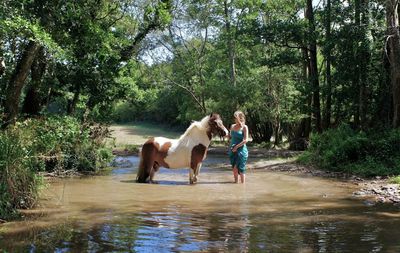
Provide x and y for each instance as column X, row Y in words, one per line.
column 372, row 190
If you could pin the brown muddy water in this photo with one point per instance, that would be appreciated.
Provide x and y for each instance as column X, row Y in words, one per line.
column 273, row 212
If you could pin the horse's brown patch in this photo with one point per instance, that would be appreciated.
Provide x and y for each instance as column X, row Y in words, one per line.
column 148, row 153
column 216, row 126
column 209, row 134
column 162, row 154
column 198, row 155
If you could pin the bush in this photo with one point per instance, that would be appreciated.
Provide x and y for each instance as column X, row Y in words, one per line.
column 346, row 150
column 55, row 144
column 62, row 143
column 18, row 182
column 395, row 180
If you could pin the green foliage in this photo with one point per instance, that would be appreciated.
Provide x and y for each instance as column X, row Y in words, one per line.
column 18, row 25
column 395, row 180
column 124, row 112
column 62, row 143
column 132, row 148
column 350, row 151
column 55, row 144
column 18, row 182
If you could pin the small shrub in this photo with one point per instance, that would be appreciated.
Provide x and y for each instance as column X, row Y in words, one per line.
column 395, row 180
column 132, row 148
column 63, row 143
column 346, row 150
column 54, row 144
column 18, row 182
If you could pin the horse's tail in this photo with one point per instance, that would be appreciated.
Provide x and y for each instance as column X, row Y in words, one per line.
column 142, row 173
column 145, row 165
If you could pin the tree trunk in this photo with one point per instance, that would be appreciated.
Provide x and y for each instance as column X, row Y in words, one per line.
column 393, row 48
column 356, row 66
column 231, row 45
column 303, row 129
column 163, row 6
column 260, row 131
column 277, row 131
column 328, row 107
column 2, row 66
column 33, row 101
column 313, row 71
column 364, row 62
column 72, row 103
column 17, row 82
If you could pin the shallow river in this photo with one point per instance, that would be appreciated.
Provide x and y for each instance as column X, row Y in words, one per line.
column 273, row 212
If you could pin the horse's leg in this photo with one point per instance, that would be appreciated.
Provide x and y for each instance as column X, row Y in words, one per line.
column 156, row 166
column 191, row 172
column 196, row 172
column 198, row 155
column 147, row 162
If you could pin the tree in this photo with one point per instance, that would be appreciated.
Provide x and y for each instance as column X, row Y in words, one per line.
column 327, row 51
column 393, row 54
column 313, row 66
column 17, row 81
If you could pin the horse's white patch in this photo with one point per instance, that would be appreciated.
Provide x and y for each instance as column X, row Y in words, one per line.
column 221, row 125
column 162, row 140
column 180, row 152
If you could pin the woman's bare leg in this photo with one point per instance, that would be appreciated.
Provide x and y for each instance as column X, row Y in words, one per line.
column 242, row 178
column 235, row 174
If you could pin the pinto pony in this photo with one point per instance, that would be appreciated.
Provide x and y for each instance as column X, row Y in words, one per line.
column 188, row 151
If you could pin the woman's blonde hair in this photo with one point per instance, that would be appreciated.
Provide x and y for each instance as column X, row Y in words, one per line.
column 240, row 116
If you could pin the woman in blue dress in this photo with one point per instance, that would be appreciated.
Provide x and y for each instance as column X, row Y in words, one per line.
column 238, row 153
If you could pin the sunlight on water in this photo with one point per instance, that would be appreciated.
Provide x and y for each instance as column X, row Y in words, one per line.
column 273, row 212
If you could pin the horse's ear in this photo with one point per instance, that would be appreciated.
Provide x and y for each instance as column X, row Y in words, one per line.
column 211, row 115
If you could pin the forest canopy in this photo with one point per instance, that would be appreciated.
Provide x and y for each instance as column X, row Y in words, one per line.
column 294, row 66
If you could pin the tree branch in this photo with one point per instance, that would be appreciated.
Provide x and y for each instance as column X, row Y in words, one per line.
column 189, row 91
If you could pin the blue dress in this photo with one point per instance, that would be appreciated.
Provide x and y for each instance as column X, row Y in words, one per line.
column 238, row 158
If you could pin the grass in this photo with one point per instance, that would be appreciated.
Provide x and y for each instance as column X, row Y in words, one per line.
column 395, row 180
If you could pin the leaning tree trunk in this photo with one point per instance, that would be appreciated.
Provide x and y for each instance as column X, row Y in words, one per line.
column 17, row 82
column 163, row 7
column 316, row 108
column 393, row 48
column 33, row 101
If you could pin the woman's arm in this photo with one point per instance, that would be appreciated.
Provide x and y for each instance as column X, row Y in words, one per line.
column 245, row 134
column 229, row 133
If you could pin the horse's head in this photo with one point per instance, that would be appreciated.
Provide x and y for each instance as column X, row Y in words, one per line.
column 216, row 125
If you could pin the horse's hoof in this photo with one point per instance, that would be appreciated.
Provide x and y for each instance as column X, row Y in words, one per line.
column 153, row 182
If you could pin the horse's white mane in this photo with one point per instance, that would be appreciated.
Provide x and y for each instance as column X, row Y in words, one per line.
column 201, row 125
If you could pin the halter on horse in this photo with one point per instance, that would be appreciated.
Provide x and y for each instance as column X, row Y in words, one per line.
column 188, row 151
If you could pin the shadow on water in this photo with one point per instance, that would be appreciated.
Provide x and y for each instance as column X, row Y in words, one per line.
column 170, row 182
column 274, row 212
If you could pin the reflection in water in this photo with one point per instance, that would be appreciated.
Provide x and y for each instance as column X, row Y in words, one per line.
column 274, row 212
